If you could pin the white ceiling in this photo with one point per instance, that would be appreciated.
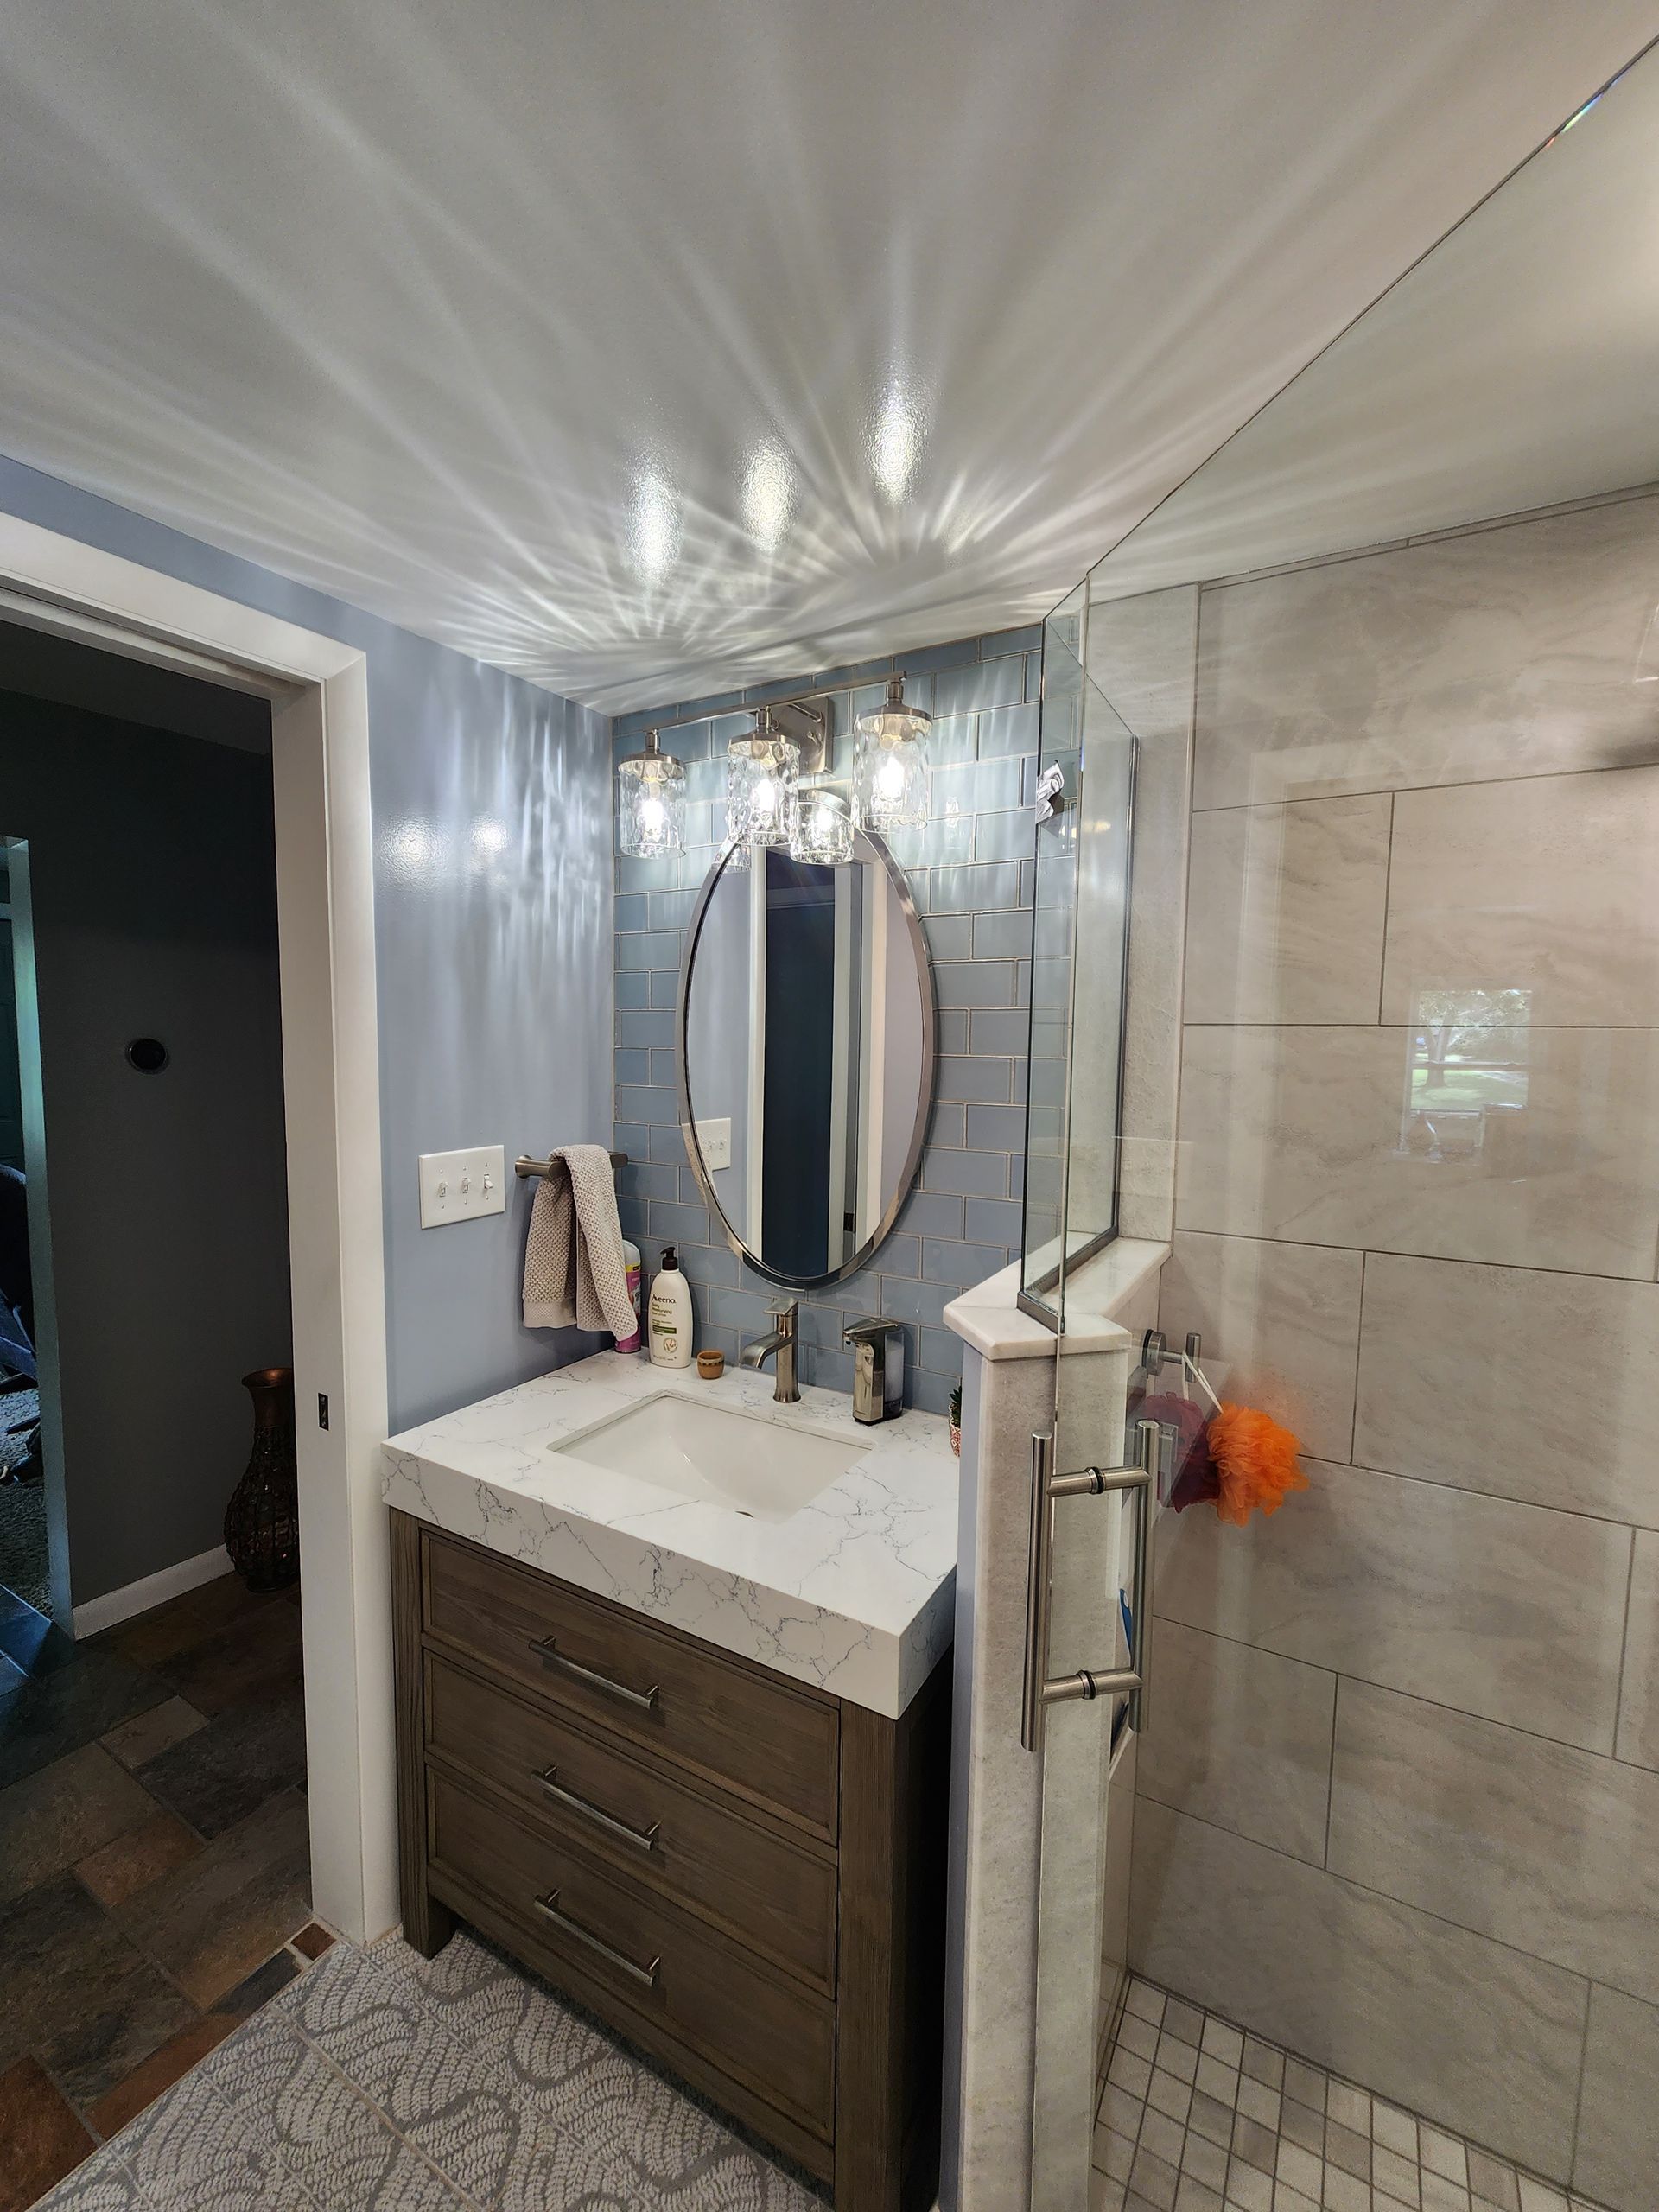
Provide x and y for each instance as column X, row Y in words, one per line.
column 1515, row 366
column 651, row 345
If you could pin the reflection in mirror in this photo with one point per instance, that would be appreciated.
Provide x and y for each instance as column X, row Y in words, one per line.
column 805, row 1055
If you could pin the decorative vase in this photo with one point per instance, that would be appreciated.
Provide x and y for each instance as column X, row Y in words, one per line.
column 262, row 1522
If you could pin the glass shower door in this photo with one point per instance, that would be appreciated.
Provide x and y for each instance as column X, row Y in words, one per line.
column 1090, row 1499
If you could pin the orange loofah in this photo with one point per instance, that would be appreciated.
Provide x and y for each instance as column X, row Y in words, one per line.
column 1255, row 1462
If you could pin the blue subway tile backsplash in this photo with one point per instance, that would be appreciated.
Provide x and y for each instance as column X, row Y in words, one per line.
column 971, row 878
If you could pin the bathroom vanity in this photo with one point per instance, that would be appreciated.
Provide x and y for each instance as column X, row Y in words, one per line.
column 673, row 1713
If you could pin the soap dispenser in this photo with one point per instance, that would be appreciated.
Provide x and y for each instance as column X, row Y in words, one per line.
column 670, row 1316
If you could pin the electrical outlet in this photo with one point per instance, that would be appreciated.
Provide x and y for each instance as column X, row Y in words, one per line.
column 715, row 1142
column 462, row 1186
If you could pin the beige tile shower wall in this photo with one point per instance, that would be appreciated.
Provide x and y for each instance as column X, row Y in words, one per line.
column 1400, row 1809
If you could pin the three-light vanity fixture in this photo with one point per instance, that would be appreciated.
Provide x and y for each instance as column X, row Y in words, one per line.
column 768, row 803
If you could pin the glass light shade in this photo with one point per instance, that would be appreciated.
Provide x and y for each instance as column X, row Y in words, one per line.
column 649, row 803
column 890, row 771
column 821, row 829
column 762, row 775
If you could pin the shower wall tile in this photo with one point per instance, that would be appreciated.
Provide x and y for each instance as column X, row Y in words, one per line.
column 1446, row 2023
column 1506, row 652
column 1284, row 1320
column 1425, row 1803
column 966, row 878
column 1638, row 1710
column 1304, row 1134
column 1243, row 1740
column 1507, row 1611
column 1515, row 1381
column 1284, row 911
column 1543, row 885
column 1618, row 2117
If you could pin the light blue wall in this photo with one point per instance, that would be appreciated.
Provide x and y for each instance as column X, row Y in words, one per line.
column 493, row 927
column 971, row 874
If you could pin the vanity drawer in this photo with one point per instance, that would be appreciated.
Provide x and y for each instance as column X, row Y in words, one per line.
column 669, row 1695
column 775, row 1896
column 626, row 1951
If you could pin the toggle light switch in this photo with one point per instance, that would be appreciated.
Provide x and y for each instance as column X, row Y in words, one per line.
column 462, row 1185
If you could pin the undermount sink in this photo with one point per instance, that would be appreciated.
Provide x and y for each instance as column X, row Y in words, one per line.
column 757, row 1468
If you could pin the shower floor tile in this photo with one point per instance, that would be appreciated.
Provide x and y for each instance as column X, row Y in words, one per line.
column 1196, row 2115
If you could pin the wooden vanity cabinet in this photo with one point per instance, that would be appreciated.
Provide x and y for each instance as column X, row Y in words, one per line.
column 743, row 1876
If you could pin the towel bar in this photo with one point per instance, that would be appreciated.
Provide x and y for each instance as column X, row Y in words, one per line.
column 526, row 1166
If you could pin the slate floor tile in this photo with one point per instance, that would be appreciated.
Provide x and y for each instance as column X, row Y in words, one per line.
column 223, row 1913
column 93, row 2005
column 218, row 1774
column 148, row 1733
column 256, row 1658
column 131, row 1861
column 64, row 1813
column 50, row 1715
column 40, row 2138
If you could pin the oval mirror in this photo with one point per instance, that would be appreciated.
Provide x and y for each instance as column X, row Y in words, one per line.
column 805, row 1055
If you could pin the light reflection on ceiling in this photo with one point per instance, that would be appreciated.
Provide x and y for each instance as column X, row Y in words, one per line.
column 646, row 350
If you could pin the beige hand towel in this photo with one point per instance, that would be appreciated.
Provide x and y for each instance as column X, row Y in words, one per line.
column 574, row 1273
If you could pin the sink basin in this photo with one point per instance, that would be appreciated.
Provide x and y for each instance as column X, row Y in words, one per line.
column 757, row 1468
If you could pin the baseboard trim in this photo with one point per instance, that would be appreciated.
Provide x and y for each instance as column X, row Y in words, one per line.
column 117, row 1605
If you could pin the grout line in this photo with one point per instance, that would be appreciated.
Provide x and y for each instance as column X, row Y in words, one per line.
column 1387, row 905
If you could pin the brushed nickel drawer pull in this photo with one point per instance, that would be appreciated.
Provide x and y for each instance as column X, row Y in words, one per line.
column 641, row 1838
column 548, row 1652
column 549, row 1908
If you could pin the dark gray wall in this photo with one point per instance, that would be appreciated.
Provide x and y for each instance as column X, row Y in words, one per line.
column 153, row 912
column 493, row 913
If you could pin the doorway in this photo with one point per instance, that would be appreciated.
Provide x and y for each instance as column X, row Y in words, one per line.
column 316, row 688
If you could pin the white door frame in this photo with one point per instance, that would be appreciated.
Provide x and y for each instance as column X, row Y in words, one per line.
column 331, row 1083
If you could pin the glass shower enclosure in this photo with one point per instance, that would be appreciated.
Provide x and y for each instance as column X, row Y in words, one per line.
column 1392, row 1836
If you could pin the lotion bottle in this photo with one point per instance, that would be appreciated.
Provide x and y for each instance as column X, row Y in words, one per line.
column 669, row 1319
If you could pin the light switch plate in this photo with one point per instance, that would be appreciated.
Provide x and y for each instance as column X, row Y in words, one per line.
column 462, row 1186
column 715, row 1142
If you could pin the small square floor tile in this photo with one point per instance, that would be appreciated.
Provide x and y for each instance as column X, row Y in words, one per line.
column 1350, row 2152
column 1223, row 2043
column 1539, row 2196
column 1256, row 2146
column 1300, row 2169
column 1350, row 2108
column 1137, row 2035
column 1262, row 2063
column 1306, row 2084
column 1213, row 2120
column 1439, row 2195
column 1259, row 2103
column 1183, row 2020
column 1442, row 2154
column 1345, row 2192
column 1145, row 2002
column 1194, row 2196
column 1301, row 2125
column 1205, row 2161
column 1170, row 2095
column 1154, row 2178
column 1130, row 2073
column 1163, row 2137
column 1494, row 2181
column 1177, row 2058
column 1394, row 2176
column 1248, row 2190
column 1395, row 2130
column 1217, row 2080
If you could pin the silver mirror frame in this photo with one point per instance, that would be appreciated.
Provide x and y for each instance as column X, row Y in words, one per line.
column 867, row 847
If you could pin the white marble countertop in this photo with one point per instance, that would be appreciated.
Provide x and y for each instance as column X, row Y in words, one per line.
column 855, row 1593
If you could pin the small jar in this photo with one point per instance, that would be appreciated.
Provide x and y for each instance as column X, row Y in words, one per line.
column 711, row 1365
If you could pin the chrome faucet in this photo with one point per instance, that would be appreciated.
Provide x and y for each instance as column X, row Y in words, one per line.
column 781, row 1341
column 878, row 1349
